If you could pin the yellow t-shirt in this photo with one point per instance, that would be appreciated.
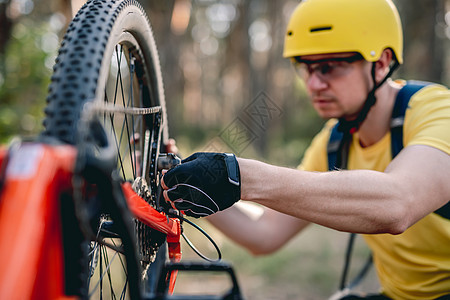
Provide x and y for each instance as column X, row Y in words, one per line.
column 416, row 263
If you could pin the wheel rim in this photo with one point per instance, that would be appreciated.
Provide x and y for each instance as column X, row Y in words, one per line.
column 132, row 136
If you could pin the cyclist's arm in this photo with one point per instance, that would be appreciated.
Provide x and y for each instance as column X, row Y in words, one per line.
column 414, row 185
column 259, row 229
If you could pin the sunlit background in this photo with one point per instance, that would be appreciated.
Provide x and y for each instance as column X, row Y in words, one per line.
column 227, row 89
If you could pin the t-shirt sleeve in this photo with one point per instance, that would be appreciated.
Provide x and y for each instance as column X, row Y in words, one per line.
column 427, row 119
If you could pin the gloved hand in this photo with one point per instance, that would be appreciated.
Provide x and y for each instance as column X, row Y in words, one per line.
column 203, row 184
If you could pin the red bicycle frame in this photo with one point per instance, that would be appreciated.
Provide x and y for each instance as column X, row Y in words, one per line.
column 31, row 250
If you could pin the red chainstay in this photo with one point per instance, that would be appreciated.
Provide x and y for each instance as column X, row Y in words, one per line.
column 145, row 213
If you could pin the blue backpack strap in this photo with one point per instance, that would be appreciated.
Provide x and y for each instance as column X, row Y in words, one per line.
column 333, row 147
column 398, row 113
column 444, row 211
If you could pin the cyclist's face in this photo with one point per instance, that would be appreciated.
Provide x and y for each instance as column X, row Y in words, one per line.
column 337, row 83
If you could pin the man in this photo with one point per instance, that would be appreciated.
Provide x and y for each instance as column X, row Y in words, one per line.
column 345, row 51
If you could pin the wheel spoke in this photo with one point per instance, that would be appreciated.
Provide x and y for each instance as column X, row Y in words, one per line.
column 119, row 60
column 125, row 122
column 106, row 263
column 122, row 168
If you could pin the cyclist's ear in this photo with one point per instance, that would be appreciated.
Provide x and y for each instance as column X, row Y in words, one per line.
column 383, row 64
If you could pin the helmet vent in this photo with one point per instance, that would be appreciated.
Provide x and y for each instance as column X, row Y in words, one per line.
column 322, row 28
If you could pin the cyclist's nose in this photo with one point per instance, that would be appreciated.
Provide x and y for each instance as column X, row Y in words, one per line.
column 315, row 82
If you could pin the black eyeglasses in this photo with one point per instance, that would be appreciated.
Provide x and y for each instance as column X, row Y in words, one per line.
column 326, row 69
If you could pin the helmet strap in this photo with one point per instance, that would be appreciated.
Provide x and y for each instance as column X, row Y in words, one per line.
column 352, row 126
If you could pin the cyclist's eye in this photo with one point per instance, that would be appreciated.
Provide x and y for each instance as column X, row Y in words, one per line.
column 325, row 69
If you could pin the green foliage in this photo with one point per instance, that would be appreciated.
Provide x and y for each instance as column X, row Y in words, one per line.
column 25, row 72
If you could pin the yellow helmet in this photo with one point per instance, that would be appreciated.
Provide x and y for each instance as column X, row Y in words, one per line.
column 334, row 26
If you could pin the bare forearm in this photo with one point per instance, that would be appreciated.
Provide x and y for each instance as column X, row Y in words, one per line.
column 355, row 201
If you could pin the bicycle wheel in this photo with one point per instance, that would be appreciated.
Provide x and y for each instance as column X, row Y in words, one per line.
column 108, row 55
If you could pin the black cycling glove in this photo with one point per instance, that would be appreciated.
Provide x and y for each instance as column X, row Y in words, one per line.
column 204, row 183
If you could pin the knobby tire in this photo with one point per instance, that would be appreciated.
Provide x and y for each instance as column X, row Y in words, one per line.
column 108, row 54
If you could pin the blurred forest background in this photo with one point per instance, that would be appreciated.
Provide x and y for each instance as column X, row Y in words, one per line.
column 227, row 89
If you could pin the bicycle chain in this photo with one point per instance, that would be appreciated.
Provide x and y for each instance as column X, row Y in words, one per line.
column 96, row 106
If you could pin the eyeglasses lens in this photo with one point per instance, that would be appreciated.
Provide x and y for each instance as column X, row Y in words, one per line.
column 326, row 69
